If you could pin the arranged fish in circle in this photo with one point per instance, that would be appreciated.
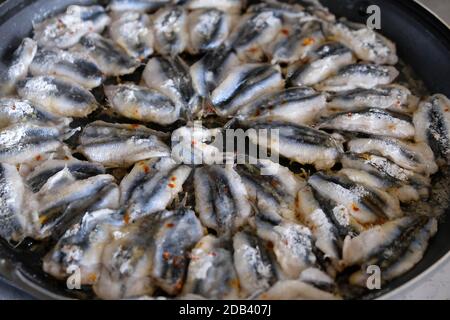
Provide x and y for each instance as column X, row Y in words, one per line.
column 232, row 6
column 115, row 145
column 359, row 75
column 111, row 59
column 432, row 123
column 243, row 84
column 57, row 96
column 170, row 26
column 65, row 64
column 417, row 157
column 372, row 121
column 133, row 33
column 221, row 199
column 326, row 60
column 211, row 273
column 299, row 105
column 20, row 63
column 123, row 6
column 141, row 103
column 151, row 186
column 66, row 29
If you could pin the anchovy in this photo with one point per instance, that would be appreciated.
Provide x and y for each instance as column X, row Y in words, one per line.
column 318, row 279
column 232, row 6
column 170, row 27
column 296, row 290
column 283, row 10
column 136, row 5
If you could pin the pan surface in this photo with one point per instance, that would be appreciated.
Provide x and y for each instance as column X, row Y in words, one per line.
column 423, row 43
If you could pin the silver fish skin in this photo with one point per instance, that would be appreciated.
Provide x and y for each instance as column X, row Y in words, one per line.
column 141, row 103
column 211, row 273
column 221, row 199
column 366, row 43
column 82, row 246
column 392, row 97
column 232, row 6
column 253, row 264
column 171, row 77
column 111, row 59
column 170, row 27
column 65, row 64
column 57, row 96
column 299, row 143
column 116, row 145
column 146, row 191
column 121, row 6
column 372, row 121
column 299, row 105
column 251, row 37
column 286, row 11
column 244, row 84
column 432, row 122
column 359, row 75
column 318, row 279
column 20, row 63
column 208, row 29
column 417, row 157
column 65, row 30
column 326, row 60
column 296, row 290
column 132, row 31
column 314, row 7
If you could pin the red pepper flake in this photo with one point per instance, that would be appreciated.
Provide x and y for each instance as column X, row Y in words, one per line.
column 38, row 158
column 270, row 245
column 173, row 179
column 253, row 50
column 193, row 142
column 446, row 109
column 146, row 168
column 172, row 185
column 134, row 126
column 126, row 218
column 285, row 31
column 354, row 207
column 308, row 41
column 170, row 225
column 92, row 277
column 166, row 255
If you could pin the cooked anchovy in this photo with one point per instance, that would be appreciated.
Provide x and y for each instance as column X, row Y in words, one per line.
column 360, row 75
column 171, row 77
column 211, row 69
column 292, row 242
column 109, row 58
column 283, row 10
column 298, row 105
column 170, row 25
column 132, row 32
column 66, row 64
column 326, row 60
column 326, row 234
column 79, row 169
column 318, row 279
column 151, row 186
column 141, row 103
column 432, row 122
column 299, row 143
column 65, row 30
column 18, row 70
column 253, row 34
column 82, row 246
column 221, row 199
column 15, row 204
column 57, row 96
column 296, row 290
column 116, row 145
column 393, row 97
column 253, row 264
column 366, row 43
column 243, row 84
column 24, row 142
column 371, row 121
column 211, row 272
column 417, row 157
column 136, row 5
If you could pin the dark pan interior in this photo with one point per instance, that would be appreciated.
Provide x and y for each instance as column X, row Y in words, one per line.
column 423, row 42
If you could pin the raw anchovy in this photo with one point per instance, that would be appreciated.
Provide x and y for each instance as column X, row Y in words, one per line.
column 221, row 199
column 151, row 186
column 232, row 6
column 360, row 75
column 170, row 27
column 109, row 58
column 18, row 70
column 371, row 121
column 243, row 84
column 58, row 96
column 432, row 122
column 417, row 157
column 211, row 272
column 141, row 103
column 298, row 105
column 136, row 5
column 116, row 145
column 66, row 64
column 325, row 61
column 132, row 32
column 296, row 290
column 65, row 30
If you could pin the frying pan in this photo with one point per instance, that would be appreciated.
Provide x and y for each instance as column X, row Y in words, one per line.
column 423, row 42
